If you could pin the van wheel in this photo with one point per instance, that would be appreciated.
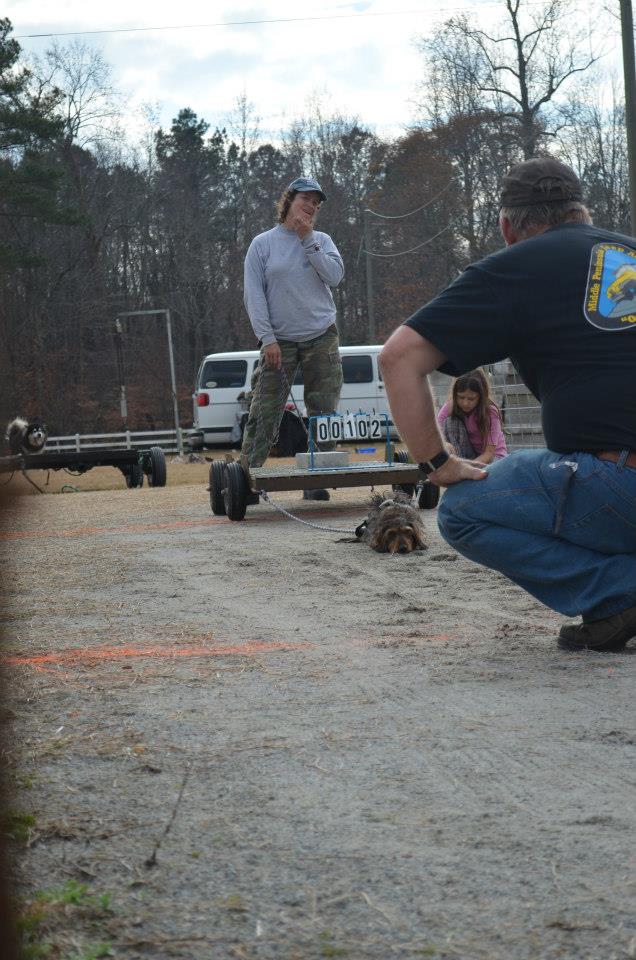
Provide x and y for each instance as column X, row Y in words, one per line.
column 401, row 456
column 217, row 484
column 235, row 492
column 156, row 463
column 428, row 497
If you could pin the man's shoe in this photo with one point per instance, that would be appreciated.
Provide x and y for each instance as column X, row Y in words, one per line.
column 604, row 636
column 316, row 495
column 252, row 498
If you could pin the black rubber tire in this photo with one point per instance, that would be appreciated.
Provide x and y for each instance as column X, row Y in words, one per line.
column 217, row 485
column 401, row 456
column 157, row 473
column 235, row 492
column 428, row 496
column 134, row 476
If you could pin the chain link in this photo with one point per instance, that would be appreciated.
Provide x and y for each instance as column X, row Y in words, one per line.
column 316, row 526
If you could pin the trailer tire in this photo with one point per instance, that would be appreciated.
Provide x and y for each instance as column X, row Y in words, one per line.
column 401, row 456
column 134, row 475
column 236, row 490
column 428, row 497
column 157, row 473
column 217, row 485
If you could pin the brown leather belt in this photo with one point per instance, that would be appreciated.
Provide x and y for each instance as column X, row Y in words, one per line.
column 615, row 455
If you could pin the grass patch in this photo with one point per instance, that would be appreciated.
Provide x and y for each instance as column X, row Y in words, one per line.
column 18, row 826
column 93, row 952
column 74, row 893
column 328, row 948
column 44, row 922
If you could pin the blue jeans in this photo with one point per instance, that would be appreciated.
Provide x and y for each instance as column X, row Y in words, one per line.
column 562, row 526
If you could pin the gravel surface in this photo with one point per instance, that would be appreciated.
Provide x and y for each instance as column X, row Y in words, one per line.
column 258, row 740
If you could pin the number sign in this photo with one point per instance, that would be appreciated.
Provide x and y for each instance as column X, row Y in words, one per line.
column 350, row 427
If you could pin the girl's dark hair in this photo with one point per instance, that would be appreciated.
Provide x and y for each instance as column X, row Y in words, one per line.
column 478, row 382
column 283, row 204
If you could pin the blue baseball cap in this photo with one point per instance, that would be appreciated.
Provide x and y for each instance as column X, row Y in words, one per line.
column 305, row 185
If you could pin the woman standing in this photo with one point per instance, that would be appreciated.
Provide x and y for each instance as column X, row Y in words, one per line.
column 290, row 271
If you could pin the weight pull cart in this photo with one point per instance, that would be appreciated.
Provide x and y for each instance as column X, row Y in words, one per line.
column 231, row 492
column 134, row 464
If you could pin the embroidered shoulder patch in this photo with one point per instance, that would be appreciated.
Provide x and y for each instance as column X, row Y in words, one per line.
column 610, row 296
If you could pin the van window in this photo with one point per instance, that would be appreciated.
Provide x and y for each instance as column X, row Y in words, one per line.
column 357, row 369
column 224, row 373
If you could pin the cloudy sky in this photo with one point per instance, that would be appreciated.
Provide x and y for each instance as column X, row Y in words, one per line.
column 359, row 57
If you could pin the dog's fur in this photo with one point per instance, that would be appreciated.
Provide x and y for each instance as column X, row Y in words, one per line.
column 393, row 525
column 25, row 436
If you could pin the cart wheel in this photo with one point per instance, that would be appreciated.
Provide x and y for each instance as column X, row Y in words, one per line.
column 401, row 456
column 217, row 484
column 134, row 475
column 428, row 497
column 235, row 492
column 156, row 467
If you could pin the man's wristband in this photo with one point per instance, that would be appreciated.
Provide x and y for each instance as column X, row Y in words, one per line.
column 434, row 463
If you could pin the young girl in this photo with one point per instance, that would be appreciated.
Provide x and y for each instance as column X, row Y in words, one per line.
column 470, row 420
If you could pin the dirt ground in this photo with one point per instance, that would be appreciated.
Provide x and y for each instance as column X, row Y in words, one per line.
column 257, row 740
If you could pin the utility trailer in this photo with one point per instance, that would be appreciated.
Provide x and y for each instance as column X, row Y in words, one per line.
column 232, row 490
column 231, row 494
column 134, row 464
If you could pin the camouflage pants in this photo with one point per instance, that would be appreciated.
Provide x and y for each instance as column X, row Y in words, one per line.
column 322, row 375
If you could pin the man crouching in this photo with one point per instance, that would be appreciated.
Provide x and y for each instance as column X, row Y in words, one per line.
column 560, row 522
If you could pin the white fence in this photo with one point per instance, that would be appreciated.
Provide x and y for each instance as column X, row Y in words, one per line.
column 521, row 415
column 126, row 440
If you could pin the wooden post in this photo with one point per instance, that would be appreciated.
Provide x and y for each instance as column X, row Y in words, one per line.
column 369, row 269
column 629, row 71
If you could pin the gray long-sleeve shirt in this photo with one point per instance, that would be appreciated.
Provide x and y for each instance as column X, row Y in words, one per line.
column 287, row 284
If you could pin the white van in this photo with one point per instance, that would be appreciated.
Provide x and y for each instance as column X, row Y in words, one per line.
column 222, row 377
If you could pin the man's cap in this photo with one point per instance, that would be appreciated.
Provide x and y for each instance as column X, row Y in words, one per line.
column 538, row 181
column 305, row 185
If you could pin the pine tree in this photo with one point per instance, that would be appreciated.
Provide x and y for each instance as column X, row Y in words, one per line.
column 29, row 180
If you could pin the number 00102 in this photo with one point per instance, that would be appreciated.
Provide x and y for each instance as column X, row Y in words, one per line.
column 351, row 427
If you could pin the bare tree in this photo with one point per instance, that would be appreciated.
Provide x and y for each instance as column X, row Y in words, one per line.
column 593, row 141
column 91, row 104
column 518, row 69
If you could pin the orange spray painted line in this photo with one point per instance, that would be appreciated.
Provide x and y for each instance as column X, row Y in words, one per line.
column 91, row 531
column 93, row 654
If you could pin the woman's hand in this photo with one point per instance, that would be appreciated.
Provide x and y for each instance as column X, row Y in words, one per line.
column 272, row 356
column 302, row 225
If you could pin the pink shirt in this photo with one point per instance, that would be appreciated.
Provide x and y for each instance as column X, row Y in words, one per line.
column 495, row 435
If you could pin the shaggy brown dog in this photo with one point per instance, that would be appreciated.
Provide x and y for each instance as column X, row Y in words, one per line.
column 393, row 525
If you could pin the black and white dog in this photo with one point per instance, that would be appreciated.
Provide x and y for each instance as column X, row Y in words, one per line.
column 25, row 436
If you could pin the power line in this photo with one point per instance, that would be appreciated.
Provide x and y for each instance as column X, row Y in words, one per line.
column 404, row 252
column 402, row 216
column 252, row 23
column 222, row 23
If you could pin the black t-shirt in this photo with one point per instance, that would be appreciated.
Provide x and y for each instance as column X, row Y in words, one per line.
column 562, row 307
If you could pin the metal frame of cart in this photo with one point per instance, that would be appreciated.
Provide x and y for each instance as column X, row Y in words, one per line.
column 134, row 464
column 231, row 492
